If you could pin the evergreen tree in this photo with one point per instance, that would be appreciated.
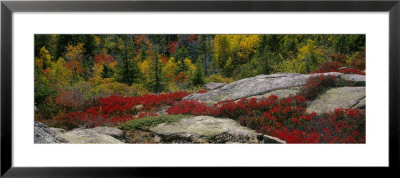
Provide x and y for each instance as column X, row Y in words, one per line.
column 41, row 87
column 158, row 46
column 205, row 49
column 107, row 72
column 197, row 78
column 128, row 69
column 128, row 72
column 180, row 55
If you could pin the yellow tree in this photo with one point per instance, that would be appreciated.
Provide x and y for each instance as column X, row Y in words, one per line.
column 59, row 75
column 238, row 48
column 311, row 55
column 145, row 69
column 243, row 47
column 43, row 61
column 222, row 50
column 169, row 70
column 74, row 56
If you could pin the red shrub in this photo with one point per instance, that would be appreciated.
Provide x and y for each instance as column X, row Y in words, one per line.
column 189, row 107
column 335, row 66
column 70, row 99
column 317, row 84
column 359, row 61
column 202, row 91
column 340, row 126
column 329, row 66
column 338, row 58
column 114, row 110
column 285, row 119
column 351, row 71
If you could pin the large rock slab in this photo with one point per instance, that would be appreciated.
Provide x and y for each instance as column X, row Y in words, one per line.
column 213, row 85
column 361, row 104
column 43, row 134
column 355, row 79
column 258, row 85
column 342, row 97
column 281, row 93
column 206, row 129
column 80, row 136
column 111, row 131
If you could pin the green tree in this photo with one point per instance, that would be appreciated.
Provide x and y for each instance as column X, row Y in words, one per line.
column 128, row 72
column 180, row 55
column 197, row 78
column 228, row 68
column 42, row 87
column 158, row 50
column 205, row 49
column 107, row 72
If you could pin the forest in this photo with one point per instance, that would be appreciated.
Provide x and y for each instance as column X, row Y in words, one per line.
column 83, row 73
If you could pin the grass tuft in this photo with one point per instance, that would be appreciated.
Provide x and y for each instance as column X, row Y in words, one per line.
column 146, row 122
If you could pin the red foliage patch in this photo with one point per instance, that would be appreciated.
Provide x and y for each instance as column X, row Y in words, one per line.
column 335, row 66
column 202, row 91
column 192, row 38
column 340, row 126
column 103, row 58
column 114, row 110
column 173, row 46
column 316, row 84
column 287, row 118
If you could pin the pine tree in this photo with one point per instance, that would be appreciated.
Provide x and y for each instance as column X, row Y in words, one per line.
column 107, row 72
column 197, row 78
column 180, row 55
column 128, row 70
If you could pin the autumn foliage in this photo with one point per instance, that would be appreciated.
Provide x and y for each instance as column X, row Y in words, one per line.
column 287, row 118
column 114, row 110
column 106, row 80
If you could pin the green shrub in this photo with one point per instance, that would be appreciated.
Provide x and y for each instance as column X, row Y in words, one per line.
column 48, row 110
column 218, row 79
column 144, row 123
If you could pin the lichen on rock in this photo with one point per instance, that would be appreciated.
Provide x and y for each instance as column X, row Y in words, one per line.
column 205, row 129
column 342, row 97
column 43, row 134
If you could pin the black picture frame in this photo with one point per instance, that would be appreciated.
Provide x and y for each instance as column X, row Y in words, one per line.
column 8, row 7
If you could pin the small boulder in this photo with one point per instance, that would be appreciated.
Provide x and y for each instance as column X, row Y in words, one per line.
column 81, row 136
column 138, row 107
column 163, row 111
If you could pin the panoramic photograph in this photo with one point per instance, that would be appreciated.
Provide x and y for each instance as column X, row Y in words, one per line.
column 199, row 88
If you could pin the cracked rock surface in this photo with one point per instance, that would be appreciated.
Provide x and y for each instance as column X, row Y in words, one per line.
column 262, row 85
column 342, row 97
column 43, row 134
column 206, row 129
